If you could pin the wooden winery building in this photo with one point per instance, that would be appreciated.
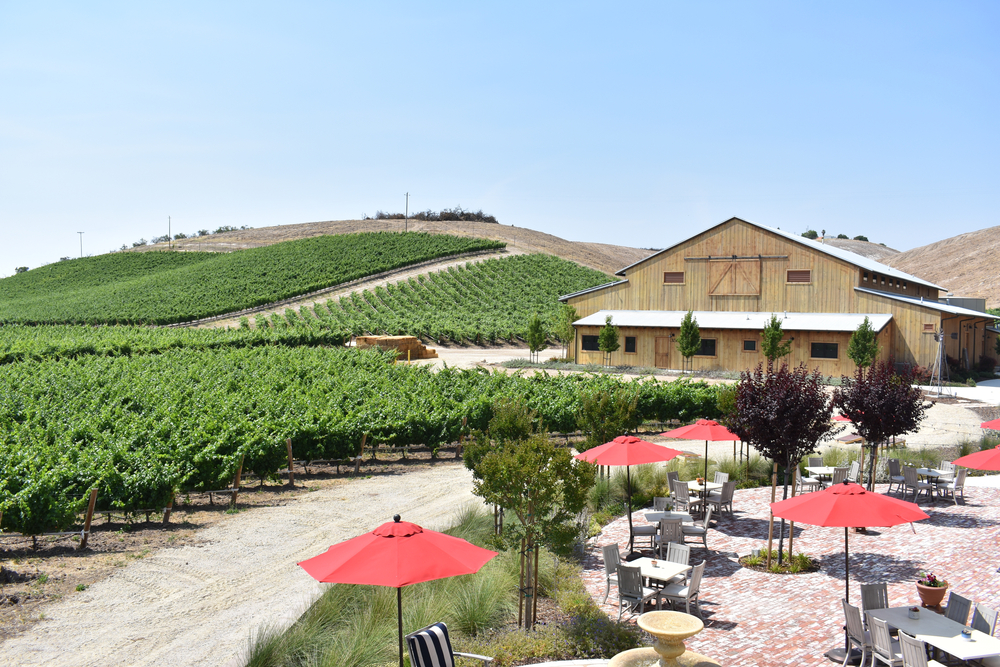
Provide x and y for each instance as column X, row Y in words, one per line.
column 736, row 274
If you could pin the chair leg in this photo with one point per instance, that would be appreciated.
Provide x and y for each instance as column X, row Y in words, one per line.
column 607, row 591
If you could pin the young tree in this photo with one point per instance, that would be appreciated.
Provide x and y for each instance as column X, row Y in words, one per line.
column 607, row 340
column 863, row 346
column 536, row 336
column 689, row 338
column 563, row 328
column 545, row 488
column 784, row 414
column 605, row 415
column 771, row 344
column 882, row 404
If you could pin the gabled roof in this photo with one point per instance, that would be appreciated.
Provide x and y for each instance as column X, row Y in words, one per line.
column 737, row 320
column 845, row 255
column 934, row 305
column 564, row 297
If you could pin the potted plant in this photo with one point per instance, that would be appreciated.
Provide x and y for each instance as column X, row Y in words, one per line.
column 931, row 589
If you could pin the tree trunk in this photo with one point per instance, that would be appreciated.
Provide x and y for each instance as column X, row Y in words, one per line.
column 781, row 534
column 770, row 522
column 520, row 590
column 791, row 524
column 871, row 468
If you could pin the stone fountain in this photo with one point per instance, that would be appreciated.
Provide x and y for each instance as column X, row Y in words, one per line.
column 670, row 628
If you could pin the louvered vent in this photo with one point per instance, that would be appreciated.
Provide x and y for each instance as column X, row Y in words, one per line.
column 673, row 277
column 804, row 276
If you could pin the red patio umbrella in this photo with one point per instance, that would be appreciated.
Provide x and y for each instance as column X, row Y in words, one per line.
column 993, row 425
column 397, row 554
column 842, row 418
column 703, row 429
column 988, row 459
column 627, row 450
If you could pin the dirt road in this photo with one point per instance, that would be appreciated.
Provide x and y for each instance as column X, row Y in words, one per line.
column 198, row 605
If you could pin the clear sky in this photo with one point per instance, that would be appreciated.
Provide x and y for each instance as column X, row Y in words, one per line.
column 630, row 123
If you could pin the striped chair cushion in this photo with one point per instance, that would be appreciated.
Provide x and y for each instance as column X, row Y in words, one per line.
column 430, row 647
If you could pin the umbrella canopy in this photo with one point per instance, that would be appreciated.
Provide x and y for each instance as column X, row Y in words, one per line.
column 842, row 418
column 703, row 429
column 627, row 450
column 397, row 554
column 993, row 425
column 846, row 506
column 988, row 459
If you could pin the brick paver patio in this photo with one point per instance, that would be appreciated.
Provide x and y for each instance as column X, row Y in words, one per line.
column 754, row 618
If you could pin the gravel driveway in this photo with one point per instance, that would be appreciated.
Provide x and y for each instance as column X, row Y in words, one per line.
column 198, row 605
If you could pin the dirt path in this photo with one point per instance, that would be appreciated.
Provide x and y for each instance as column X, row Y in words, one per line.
column 198, row 605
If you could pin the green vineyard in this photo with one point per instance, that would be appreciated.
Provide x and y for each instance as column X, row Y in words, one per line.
column 138, row 428
column 483, row 302
column 168, row 287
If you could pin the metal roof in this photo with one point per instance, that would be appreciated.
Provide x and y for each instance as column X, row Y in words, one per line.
column 737, row 320
column 935, row 305
column 592, row 289
column 845, row 255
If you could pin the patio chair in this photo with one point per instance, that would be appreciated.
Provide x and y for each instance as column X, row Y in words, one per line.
column 856, row 633
column 915, row 652
column 660, row 503
column 611, row 561
column 672, row 476
column 949, row 468
column 431, row 647
column 679, row 553
column 682, row 496
column 670, row 531
column 884, row 647
column 839, row 475
column 984, row 619
column 815, row 461
column 644, row 531
column 721, row 477
column 854, row 472
column 699, row 531
column 954, row 487
column 631, row 592
column 958, row 608
column 874, row 596
column 806, row 483
column 686, row 592
column 895, row 476
column 723, row 498
column 912, row 481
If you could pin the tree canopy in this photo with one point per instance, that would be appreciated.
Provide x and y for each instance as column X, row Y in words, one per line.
column 607, row 340
column 535, row 336
column 771, row 343
column 689, row 337
column 863, row 346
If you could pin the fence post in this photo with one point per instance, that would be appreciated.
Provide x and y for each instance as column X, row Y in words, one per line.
column 291, row 472
column 88, row 519
column 167, row 509
column 236, row 482
column 357, row 459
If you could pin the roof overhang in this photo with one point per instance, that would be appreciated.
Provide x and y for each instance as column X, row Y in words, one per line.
column 927, row 303
column 671, row 319
column 567, row 297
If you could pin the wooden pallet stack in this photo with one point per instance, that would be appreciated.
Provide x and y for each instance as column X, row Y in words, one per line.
column 409, row 347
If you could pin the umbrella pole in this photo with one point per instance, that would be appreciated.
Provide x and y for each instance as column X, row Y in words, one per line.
column 399, row 622
column 628, row 508
column 847, row 569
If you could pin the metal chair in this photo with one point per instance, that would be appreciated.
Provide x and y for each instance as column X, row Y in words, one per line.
column 431, row 647
column 612, row 559
column 631, row 592
column 958, row 608
column 686, row 592
column 884, row 647
column 915, row 652
column 912, row 481
column 895, row 476
column 721, row 477
column 670, row 531
column 856, row 633
column 723, row 498
column 699, row 531
column 984, row 619
column 953, row 487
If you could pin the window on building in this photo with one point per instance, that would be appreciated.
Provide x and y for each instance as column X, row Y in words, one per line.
column 904, row 284
column 707, row 348
column 630, row 344
column 824, row 350
column 673, row 277
column 866, row 276
column 749, row 346
column 799, row 276
column 589, row 344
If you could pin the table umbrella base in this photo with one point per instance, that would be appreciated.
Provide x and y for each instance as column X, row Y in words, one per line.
column 837, row 655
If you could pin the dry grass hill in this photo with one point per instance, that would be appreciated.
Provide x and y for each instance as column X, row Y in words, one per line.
column 876, row 251
column 600, row 256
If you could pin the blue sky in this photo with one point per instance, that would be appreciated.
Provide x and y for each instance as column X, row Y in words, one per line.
column 629, row 123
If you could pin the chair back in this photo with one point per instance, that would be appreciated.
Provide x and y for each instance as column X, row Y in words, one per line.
column 960, row 479
column 721, row 477
column 695, row 583
column 708, row 517
column 854, row 626
column 984, row 619
column 958, row 608
column 611, row 558
column 670, row 530
column 660, row 503
column 629, row 582
column 914, row 651
column 682, row 494
column 839, row 475
column 881, row 638
column 910, row 476
column 874, row 596
column 815, row 461
column 430, row 647
column 679, row 553
column 894, row 468
column 672, row 476
column 947, row 466
column 852, row 475
column 728, row 489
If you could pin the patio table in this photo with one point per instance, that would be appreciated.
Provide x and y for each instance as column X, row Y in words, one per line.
column 710, row 486
column 663, row 571
column 941, row 632
column 821, row 471
column 654, row 517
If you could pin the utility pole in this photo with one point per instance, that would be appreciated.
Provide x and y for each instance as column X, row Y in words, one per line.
column 170, row 240
column 81, row 244
column 406, row 215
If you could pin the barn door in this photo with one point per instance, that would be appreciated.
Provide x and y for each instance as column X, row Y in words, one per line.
column 662, row 359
